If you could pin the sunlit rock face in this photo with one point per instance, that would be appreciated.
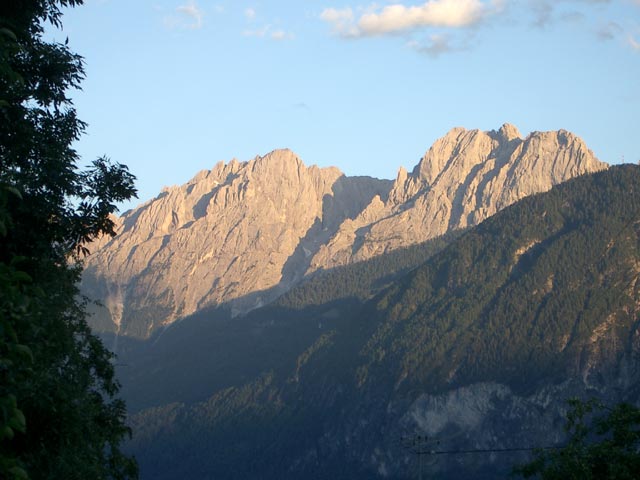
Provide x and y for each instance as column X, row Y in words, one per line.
column 244, row 232
column 239, row 229
column 464, row 178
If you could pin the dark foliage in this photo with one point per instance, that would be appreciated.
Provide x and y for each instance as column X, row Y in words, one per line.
column 604, row 444
column 59, row 412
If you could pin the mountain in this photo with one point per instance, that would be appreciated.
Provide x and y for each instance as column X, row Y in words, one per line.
column 239, row 229
column 464, row 178
column 244, row 233
column 476, row 349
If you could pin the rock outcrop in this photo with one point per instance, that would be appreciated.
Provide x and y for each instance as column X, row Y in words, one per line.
column 465, row 177
column 245, row 232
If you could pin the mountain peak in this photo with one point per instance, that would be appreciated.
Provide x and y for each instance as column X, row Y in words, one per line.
column 279, row 158
column 509, row 132
column 454, row 145
column 281, row 154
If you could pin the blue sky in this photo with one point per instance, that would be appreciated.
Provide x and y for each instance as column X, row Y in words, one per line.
column 174, row 86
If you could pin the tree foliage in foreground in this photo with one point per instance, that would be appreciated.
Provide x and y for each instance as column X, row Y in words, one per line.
column 60, row 416
column 604, row 444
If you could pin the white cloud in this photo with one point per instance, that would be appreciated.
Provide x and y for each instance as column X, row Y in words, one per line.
column 249, row 13
column 434, row 13
column 188, row 16
column 436, row 27
column 398, row 18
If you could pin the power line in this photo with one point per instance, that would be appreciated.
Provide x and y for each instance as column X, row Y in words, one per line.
column 487, row 450
column 418, row 445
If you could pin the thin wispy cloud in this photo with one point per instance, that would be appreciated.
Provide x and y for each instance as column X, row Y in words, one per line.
column 267, row 32
column 341, row 20
column 435, row 45
column 609, row 31
column 187, row 16
column 398, row 18
column 544, row 11
column 573, row 17
column 192, row 11
column 282, row 35
column 257, row 32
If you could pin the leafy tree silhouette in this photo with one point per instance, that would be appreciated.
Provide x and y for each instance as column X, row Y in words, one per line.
column 60, row 416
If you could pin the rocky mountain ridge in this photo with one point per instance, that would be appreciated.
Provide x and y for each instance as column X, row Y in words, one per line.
column 464, row 178
column 245, row 232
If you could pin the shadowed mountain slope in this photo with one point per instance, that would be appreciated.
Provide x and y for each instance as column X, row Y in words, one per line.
column 478, row 348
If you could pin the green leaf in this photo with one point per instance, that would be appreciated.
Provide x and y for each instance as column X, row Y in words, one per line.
column 18, row 422
column 8, row 34
column 19, row 473
column 6, row 433
column 24, row 352
column 9, row 188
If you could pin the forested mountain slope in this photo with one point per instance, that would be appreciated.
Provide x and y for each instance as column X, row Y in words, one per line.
column 478, row 348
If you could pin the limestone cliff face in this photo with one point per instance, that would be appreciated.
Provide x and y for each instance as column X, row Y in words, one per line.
column 238, row 229
column 465, row 177
column 243, row 233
